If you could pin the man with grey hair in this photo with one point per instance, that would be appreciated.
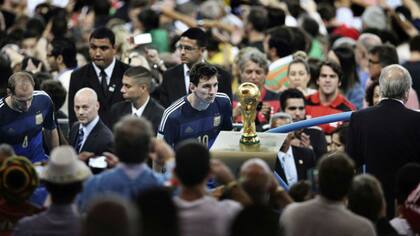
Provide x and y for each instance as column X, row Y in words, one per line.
column 385, row 137
column 254, row 69
column 364, row 43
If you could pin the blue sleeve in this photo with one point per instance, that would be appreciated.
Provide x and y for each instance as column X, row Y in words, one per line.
column 49, row 122
column 169, row 131
column 227, row 115
column 356, row 95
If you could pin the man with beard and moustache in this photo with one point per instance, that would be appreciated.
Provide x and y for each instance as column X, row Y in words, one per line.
column 104, row 75
column 201, row 114
column 26, row 117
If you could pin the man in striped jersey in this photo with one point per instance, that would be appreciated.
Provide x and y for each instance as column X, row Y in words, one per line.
column 24, row 115
column 201, row 114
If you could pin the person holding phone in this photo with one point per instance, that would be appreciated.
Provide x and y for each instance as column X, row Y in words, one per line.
column 89, row 136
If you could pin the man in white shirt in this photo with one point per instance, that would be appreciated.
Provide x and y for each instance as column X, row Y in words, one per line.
column 89, row 135
column 137, row 86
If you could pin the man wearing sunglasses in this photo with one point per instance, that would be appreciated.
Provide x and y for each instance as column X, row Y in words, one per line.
column 176, row 80
column 292, row 101
column 27, row 118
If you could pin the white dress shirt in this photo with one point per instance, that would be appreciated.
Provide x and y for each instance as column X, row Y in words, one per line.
column 287, row 162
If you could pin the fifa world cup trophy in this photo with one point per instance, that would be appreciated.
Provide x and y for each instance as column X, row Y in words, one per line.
column 249, row 96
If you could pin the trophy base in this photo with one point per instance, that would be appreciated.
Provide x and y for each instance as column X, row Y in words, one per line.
column 227, row 148
column 249, row 140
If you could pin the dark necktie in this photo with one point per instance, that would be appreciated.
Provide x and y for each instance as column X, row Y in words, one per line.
column 80, row 136
column 104, row 84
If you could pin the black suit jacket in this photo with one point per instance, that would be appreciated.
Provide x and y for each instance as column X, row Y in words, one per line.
column 100, row 139
column 152, row 112
column 318, row 141
column 173, row 84
column 86, row 77
column 304, row 161
column 384, row 137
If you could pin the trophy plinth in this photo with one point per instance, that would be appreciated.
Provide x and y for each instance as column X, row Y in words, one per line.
column 228, row 148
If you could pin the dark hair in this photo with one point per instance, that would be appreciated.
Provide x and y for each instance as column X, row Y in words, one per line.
column 415, row 44
column 202, row 70
column 281, row 39
column 348, row 65
column 335, row 174
column 149, row 19
column 256, row 220
column 141, row 75
column 276, row 17
column 288, row 94
column 300, row 191
column 366, row 197
column 334, row 66
column 103, row 33
column 192, row 162
column 159, row 211
column 196, row 34
column 370, row 91
column 342, row 132
column 6, row 72
column 314, row 67
column 56, row 91
column 407, row 179
column 258, row 18
column 310, row 26
column 386, row 53
column 67, row 49
column 132, row 138
column 63, row 193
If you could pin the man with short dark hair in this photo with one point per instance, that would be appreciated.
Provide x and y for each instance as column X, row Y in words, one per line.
column 104, row 74
column 201, row 114
column 133, row 144
column 327, row 213
column 176, row 80
column 62, row 59
column 137, row 86
column 328, row 100
column 292, row 101
column 25, row 117
column 200, row 214
column 385, row 137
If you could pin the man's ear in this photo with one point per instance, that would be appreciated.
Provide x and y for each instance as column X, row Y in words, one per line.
column 9, row 92
column 339, row 84
column 192, row 87
column 60, row 59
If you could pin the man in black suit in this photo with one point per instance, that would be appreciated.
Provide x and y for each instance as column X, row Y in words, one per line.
column 293, row 163
column 89, row 135
column 385, row 137
column 136, row 88
column 292, row 101
column 176, row 80
column 103, row 74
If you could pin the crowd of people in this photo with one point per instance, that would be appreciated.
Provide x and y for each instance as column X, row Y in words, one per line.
column 109, row 109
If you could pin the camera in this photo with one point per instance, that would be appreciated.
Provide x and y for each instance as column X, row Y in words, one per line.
column 98, row 162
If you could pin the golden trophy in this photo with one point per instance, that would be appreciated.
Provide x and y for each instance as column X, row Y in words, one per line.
column 234, row 148
column 249, row 97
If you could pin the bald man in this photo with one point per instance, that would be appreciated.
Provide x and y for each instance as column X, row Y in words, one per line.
column 89, row 135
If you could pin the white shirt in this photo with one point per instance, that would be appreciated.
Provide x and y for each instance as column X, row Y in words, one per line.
column 287, row 162
column 139, row 112
column 87, row 129
column 108, row 71
column 187, row 78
